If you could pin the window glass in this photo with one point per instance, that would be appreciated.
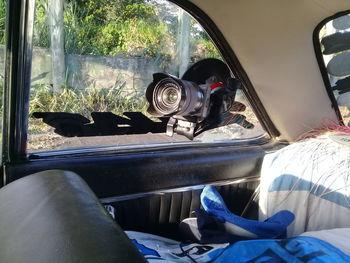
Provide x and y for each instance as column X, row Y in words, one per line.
column 334, row 37
column 93, row 61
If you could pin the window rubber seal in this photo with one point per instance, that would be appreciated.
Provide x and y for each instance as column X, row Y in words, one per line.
column 18, row 44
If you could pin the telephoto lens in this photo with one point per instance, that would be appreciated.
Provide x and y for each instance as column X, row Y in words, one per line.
column 169, row 96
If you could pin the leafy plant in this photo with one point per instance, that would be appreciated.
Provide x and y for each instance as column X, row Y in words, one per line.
column 119, row 27
column 2, row 21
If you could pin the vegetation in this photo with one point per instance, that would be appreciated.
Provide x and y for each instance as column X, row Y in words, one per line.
column 146, row 28
column 2, row 21
column 83, row 101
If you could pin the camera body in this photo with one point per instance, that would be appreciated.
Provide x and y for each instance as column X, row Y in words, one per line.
column 173, row 96
column 183, row 101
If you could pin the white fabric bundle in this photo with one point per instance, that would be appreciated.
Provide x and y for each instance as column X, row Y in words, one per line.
column 311, row 179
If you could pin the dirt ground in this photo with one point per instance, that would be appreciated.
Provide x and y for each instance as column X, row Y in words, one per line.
column 43, row 137
column 52, row 141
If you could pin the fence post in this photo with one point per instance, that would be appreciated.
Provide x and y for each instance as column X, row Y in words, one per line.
column 57, row 43
column 183, row 42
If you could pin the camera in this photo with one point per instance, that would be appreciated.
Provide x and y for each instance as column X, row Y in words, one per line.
column 170, row 96
column 197, row 101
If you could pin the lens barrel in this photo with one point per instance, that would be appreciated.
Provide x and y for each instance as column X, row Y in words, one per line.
column 167, row 96
column 172, row 96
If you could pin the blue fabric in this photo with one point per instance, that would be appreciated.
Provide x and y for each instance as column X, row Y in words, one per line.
column 146, row 251
column 273, row 227
column 298, row 250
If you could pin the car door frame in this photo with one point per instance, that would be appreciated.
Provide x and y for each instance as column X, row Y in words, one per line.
column 237, row 159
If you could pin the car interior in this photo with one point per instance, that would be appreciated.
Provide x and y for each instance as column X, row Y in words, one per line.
column 52, row 202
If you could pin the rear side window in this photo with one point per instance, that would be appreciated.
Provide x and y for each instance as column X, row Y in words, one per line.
column 333, row 42
column 92, row 66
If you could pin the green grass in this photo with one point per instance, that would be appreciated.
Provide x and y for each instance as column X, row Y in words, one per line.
column 115, row 99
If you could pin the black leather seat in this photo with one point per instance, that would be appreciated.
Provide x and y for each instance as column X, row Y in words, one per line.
column 53, row 216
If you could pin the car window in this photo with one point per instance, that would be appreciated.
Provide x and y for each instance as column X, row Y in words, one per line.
column 334, row 45
column 93, row 62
